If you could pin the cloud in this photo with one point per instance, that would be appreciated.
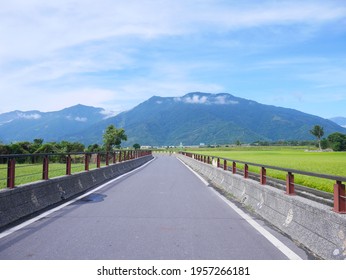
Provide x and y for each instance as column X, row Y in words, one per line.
column 207, row 100
column 328, row 76
column 81, row 119
column 33, row 28
column 196, row 99
column 224, row 100
column 113, row 53
column 108, row 113
column 29, row 116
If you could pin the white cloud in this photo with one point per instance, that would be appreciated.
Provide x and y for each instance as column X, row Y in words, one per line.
column 29, row 116
column 207, row 100
column 33, row 27
column 109, row 113
column 328, row 76
column 224, row 100
column 195, row 99
column 103, row 53
column 78, row 119
column 81, row 119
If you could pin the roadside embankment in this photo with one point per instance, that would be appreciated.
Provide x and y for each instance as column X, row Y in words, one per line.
column 28, row 199
column 308, row 222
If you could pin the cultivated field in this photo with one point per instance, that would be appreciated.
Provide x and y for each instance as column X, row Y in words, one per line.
column 290, row 157
column 26, row 173
column 301, row 158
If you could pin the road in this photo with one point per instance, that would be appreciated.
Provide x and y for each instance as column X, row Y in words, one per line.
column 160, row 211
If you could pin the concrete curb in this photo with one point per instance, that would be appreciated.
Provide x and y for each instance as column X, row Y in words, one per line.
column 310, row 223
column 27, row 199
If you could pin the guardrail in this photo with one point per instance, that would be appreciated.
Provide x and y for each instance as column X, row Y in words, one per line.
column 34, row 167
column 339, row 187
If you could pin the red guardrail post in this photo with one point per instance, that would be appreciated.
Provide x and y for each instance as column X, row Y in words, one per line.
column 86, row 162
column 114, row 157
column 290, row 184
column 246, row 171
column 218, row 162
column 107, row 159
column 224, row 164
column 68, row 165
column 98, row 160
column 263, row 176
column 11, row 173
column 234, row 167
column 339, row 198
column 45, row 168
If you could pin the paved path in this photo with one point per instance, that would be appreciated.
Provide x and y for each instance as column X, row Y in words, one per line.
column 161, row 211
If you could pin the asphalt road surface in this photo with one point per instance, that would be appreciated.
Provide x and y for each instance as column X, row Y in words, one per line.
column 160, row 211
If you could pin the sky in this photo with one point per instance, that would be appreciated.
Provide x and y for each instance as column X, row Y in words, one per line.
column 116, row 54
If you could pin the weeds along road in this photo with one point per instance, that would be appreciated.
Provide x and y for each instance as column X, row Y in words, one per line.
column 160, row 211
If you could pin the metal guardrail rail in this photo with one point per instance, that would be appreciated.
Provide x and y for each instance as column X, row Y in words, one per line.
column 68, row 163
column 339, row 188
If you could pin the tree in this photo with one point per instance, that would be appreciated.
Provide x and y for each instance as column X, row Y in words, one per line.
column 318, row 132
column 337, row 141
column 71, row 147
column 48, row 148
column 38, row 141
column 19, row 148
column 136, row 146
column 113, row 137
column 94, row 148
column 36, row 145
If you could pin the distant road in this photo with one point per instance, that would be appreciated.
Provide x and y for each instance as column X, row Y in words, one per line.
column 160, row 211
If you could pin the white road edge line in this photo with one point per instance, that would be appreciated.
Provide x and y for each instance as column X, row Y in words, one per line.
column 271, row 238
column 194, row 172
column 45, row 214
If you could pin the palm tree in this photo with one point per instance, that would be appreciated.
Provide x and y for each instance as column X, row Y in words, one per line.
column 318, row 132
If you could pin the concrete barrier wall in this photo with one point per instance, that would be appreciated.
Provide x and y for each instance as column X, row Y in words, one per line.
column 25, row 200
column 310, row 223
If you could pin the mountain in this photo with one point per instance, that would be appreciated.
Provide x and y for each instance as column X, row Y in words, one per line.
column 340, row 121
column 160, row 121
column 209, row 118
column 51, row 126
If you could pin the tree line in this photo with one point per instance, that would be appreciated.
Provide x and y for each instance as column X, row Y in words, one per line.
column 335, row 141
column 112, row 138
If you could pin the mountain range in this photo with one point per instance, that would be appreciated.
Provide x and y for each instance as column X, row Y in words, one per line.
column 191, row 119
column 340, row 121
column 51, row 126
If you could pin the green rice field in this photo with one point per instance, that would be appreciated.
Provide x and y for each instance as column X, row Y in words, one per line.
column 26, row 173
column 299, row 158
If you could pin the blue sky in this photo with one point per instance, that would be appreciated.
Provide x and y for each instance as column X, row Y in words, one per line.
column 116, row 54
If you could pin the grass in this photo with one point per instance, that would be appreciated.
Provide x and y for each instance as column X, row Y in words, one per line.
column 333, row 163
column 27, row 173
column 288, row 157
